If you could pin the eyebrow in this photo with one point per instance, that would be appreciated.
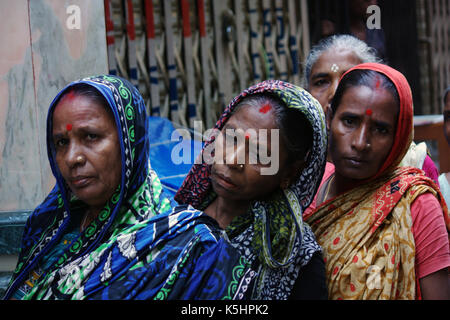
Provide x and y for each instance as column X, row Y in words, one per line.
column 356, row 115
column 382, row 124
column 259, row 144
column 350, row 114
column 319, row 75
column 57, row 136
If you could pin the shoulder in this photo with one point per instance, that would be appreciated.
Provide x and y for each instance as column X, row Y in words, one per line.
column 329, row 170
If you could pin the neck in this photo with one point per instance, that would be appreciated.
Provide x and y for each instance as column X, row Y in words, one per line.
column 336, row 185
column 224, row 210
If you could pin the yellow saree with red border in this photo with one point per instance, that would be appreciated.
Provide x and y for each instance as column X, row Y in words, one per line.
column 367, row 237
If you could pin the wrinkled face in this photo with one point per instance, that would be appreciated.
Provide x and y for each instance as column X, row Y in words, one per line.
column 236, row 177
column 87, row 149
column 447, row 118
column 362, row 131
column 327, row 71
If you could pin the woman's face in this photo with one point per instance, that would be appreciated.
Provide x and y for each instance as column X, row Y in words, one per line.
column 243, row 180
column 327, row 71
column 362, row 131
column 87, row 149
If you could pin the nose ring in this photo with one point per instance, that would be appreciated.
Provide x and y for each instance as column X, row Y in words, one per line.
column 80, row 159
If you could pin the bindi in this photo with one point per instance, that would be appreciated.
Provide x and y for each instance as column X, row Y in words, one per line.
column 69, row 127
column 335, row 68
column 369, row 112
column 265, row 108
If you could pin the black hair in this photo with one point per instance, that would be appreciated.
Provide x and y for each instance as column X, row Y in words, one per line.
column 363, row 77
column 295, row 129
column 88, row 91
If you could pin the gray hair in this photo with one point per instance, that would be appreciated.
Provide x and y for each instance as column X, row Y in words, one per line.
column 336, row 42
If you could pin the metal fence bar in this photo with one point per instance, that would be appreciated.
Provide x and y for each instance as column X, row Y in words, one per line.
column 189, row 58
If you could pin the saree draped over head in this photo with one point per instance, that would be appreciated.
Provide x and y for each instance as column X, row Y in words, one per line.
column 137, row 247
column 272, row 235
column 366, row 233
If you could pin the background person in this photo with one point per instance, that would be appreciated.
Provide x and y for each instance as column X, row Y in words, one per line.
column 444, row 178
column 324, row 67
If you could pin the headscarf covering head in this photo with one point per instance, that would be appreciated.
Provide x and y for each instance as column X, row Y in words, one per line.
column 405, row 128
column 53, row 216
column 297, row 197
column 128, row 108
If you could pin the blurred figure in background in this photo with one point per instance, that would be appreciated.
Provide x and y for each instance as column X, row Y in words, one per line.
column 444, row 178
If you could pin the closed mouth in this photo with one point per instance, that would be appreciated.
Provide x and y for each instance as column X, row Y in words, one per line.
column 355, row 160
column 80, row 181
column 225, row 181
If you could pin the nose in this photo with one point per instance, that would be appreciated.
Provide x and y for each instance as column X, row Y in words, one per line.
column 361, row 138
column 74, row 156
column 235, row 155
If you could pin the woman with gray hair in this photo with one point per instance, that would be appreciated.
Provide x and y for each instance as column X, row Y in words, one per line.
column 329, row 60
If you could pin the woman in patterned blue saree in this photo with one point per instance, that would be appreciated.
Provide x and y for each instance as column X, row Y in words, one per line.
column 261, row 212
column 106, row 231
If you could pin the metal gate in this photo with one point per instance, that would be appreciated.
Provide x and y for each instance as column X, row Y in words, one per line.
column 189, row 58
column 434, row 37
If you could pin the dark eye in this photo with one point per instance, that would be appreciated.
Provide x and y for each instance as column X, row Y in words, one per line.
column 320, row 82
column 348, row 121
column 61, row 142
column 92, row 136
column 382, row 130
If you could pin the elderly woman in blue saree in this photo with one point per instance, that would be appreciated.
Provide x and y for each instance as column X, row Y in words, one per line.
column 106, row 231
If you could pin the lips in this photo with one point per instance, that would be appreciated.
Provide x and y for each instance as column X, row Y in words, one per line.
column 355, row 161
column 80, row 181
column 224, row 181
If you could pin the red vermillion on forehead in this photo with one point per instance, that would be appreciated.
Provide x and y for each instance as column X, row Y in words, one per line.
column 69, row 95
column 265, row 108
column 69, row 127
column 369, row 112
column 378, row 83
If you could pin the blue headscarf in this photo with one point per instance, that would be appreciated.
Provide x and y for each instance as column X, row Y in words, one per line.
column 137, row 247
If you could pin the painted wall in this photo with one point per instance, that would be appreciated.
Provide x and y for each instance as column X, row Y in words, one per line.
column 45, row 45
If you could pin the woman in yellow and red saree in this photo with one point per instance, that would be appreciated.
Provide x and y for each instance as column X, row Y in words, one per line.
column 383, row 228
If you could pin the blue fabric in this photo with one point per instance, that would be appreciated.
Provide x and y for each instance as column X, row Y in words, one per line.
column 171, row 175
column 137, row 247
